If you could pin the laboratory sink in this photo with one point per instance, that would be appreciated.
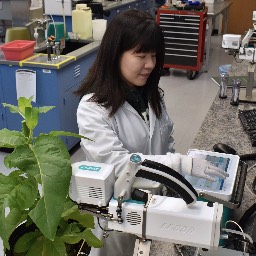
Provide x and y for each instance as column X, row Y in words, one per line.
column 71, row 45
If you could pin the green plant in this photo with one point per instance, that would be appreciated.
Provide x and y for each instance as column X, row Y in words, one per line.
column 36, row 190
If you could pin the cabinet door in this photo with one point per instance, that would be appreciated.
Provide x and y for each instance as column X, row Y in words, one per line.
column 8, row 95
column 54, row 88
column 2, row 119
column 70, row 101
column 47, row 95
column 70, row 104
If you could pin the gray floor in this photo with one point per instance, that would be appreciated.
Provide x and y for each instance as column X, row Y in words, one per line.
column 187, row 101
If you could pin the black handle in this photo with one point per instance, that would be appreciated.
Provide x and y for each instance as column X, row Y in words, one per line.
column 169, row 178
column 245, row 157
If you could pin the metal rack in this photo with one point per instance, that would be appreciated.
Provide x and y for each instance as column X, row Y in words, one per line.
column 184, row 33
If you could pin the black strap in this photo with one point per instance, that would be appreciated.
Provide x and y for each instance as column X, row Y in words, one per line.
column 185, row 190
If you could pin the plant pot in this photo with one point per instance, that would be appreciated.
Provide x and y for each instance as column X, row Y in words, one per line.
column 17, row 233
column 72, row 249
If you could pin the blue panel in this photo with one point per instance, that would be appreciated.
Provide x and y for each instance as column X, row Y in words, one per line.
column 71, row 101
column 54, row 87
column 47, row 94
column 2, row 116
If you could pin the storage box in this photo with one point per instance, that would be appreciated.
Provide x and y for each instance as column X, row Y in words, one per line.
column 18, row 49
column 231, row 41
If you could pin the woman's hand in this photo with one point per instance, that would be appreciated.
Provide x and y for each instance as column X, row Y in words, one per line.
column 204, row 169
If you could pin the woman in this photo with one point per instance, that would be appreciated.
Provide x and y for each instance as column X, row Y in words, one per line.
column 122, row 108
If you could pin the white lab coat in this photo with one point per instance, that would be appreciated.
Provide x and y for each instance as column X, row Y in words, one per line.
column 116, row 138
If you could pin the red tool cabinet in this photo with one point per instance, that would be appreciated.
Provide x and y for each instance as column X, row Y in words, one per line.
column 184, row 34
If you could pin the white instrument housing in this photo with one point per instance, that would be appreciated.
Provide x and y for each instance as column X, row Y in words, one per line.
column 231, row 41
column 92, row 183
column 170, row 219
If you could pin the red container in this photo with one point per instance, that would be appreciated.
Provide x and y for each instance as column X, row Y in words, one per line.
column 18, row 49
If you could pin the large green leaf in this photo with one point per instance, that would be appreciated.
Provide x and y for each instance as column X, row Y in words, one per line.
column 17, row 191
column 73, row 233
column 69, row 207
column 44, row 160
column 24, row 195
column 12, row 109
column 9, row 221
column 45, row 109
column 16, row 194
column 11, row 139
column 91, row 239
column 62, row 133
column 31, row 117
column 86, row 220
column 49, row 161
column 71, row 212
column 24, row 103
column 8, row 183
column 45, row 247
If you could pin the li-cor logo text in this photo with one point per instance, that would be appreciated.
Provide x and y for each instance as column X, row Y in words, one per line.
column 178, row 228
column 89, row 168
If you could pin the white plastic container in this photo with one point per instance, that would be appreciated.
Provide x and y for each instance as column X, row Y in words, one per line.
column 231, row 41
column 98, row 28
column 82, row 21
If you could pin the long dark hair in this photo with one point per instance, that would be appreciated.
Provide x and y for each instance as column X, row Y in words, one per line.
column 129, row 29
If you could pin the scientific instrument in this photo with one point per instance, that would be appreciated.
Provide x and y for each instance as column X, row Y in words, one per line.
column 245, row 49
column 182, row 220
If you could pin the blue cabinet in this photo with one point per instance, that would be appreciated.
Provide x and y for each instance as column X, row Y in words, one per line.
column 143, row 5
column 2, row 117
column 54, row 87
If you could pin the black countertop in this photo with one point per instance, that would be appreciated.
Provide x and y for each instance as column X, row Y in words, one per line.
column 222, row 125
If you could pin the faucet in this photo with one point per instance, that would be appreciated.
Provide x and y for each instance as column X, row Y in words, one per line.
column 39, row 22
column 37, row 28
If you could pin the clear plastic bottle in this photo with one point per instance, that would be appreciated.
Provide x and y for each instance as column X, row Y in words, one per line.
column 223, row 85
column 235, row 92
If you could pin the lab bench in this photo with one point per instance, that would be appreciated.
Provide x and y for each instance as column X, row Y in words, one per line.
column 55, row 85
column 114, row 8
column 222, row 125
